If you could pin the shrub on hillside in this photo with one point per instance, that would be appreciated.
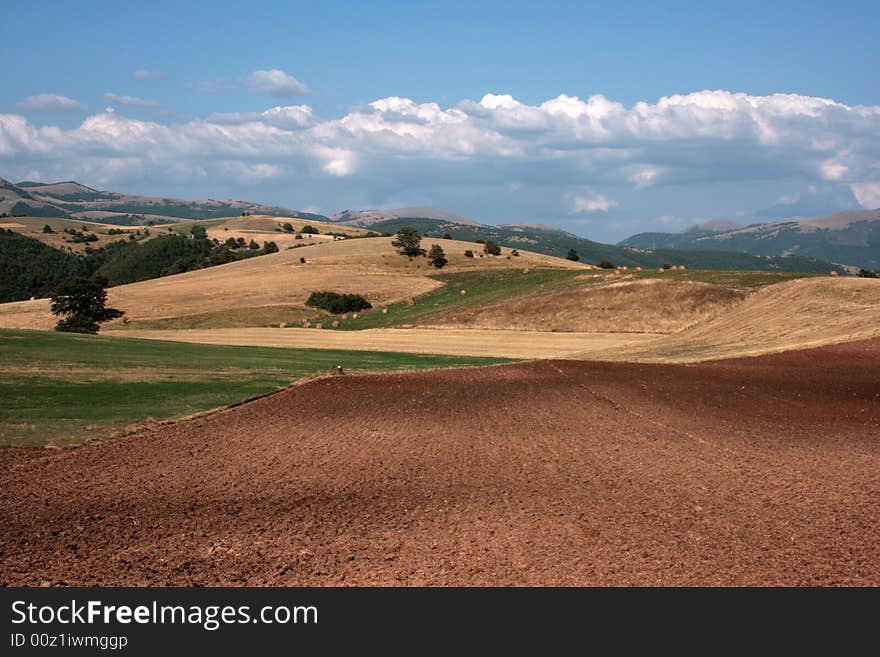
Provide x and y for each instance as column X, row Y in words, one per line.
column 605, row 264
column 287, row 227
column 337, row 303
column 491, row 248
column 436, row 257
column 868, row 273
column 468, row 254
column 309, row 230
column 572, row 255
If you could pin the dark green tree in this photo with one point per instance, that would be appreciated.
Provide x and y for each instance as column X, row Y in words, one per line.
column 81, row 303
column 436, row 257
column 309, row 230
column 408, row 242
column 491, row 248
column 287, row 227
column 269, row 247
column 198, row 232
column 253, row 246
column 48, row 229
column 868, row 273
column 468, row 253
column 572, row 255
column 605, row 264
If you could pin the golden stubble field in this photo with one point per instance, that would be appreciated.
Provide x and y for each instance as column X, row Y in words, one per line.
column 364, row 266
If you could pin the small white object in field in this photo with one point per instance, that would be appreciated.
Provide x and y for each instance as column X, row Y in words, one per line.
column 282, row 325
column 319, row 325
column 384, row 311
column 834, row 273
column 463, row 292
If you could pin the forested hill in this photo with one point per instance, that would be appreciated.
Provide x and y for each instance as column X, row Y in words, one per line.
column 29, row 268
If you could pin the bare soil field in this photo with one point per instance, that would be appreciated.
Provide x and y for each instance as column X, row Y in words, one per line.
column 752, row 471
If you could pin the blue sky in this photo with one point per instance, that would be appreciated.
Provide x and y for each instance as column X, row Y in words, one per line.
column 508, row 112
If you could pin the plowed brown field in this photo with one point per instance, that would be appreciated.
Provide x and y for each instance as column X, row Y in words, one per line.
column 750, row 471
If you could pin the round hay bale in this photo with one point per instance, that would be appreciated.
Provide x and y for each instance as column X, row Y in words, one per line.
column 624, row 268
column 526, row 270
column 282, row 325
column 660, row 270
column 384, row 311
column 335, row 323
column 681, row 268
column 343, row 316
column 319, row 325
column 410, row 302
column 463, row 292
column 638, row 269
column 834, row 273
column 353, row 316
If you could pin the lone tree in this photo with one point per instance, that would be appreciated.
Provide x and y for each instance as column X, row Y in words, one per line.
column 82, row 301
column 287, row 227
column 436, row 256
column 491, row 248
column 572, row 255
column 408, row 242
column 309, row 230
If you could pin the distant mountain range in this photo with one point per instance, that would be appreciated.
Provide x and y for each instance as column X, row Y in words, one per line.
column 364, row 218
column 77, row 201
column 850, row 238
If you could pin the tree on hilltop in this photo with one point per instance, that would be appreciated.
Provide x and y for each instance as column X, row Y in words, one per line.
column 408, row 242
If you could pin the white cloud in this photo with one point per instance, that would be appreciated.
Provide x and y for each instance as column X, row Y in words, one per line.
column 277, row 83
column 565, row 156
column 590, row 202
column 144, row 74
column 51, row 102
column 131, row 101
column 867, row 194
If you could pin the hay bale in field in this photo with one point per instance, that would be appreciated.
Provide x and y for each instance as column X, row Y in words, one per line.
column 335, row 323
column 681, row 268
column 384, row 311
column 319, row 325
column 282, row 325
column 463, row 292
column 410, row 302
column 526, row 270
column 834, row 273
column 638, row 269
column 307, row 324
column 343, row 316
column 353, row 316
column 624, row 268
column 660, row 270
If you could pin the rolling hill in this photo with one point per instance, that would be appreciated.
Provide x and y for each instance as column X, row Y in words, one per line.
column 850, row 238
column 555, row 242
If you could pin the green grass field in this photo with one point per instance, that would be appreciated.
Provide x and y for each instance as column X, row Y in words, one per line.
column 58, row 388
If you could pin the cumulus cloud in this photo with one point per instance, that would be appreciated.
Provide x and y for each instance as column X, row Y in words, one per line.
column 567, row 156
column 277, row 83
column 51, row 102
column 131, row 101
column 590, row 202
column 144, row 74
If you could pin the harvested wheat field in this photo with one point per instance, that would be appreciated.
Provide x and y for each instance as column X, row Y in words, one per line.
column 750, row 471
column 643, row 306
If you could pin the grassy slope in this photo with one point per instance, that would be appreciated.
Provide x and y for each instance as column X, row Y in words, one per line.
column 490, row 287
column 58, row 388
column 483, row 287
